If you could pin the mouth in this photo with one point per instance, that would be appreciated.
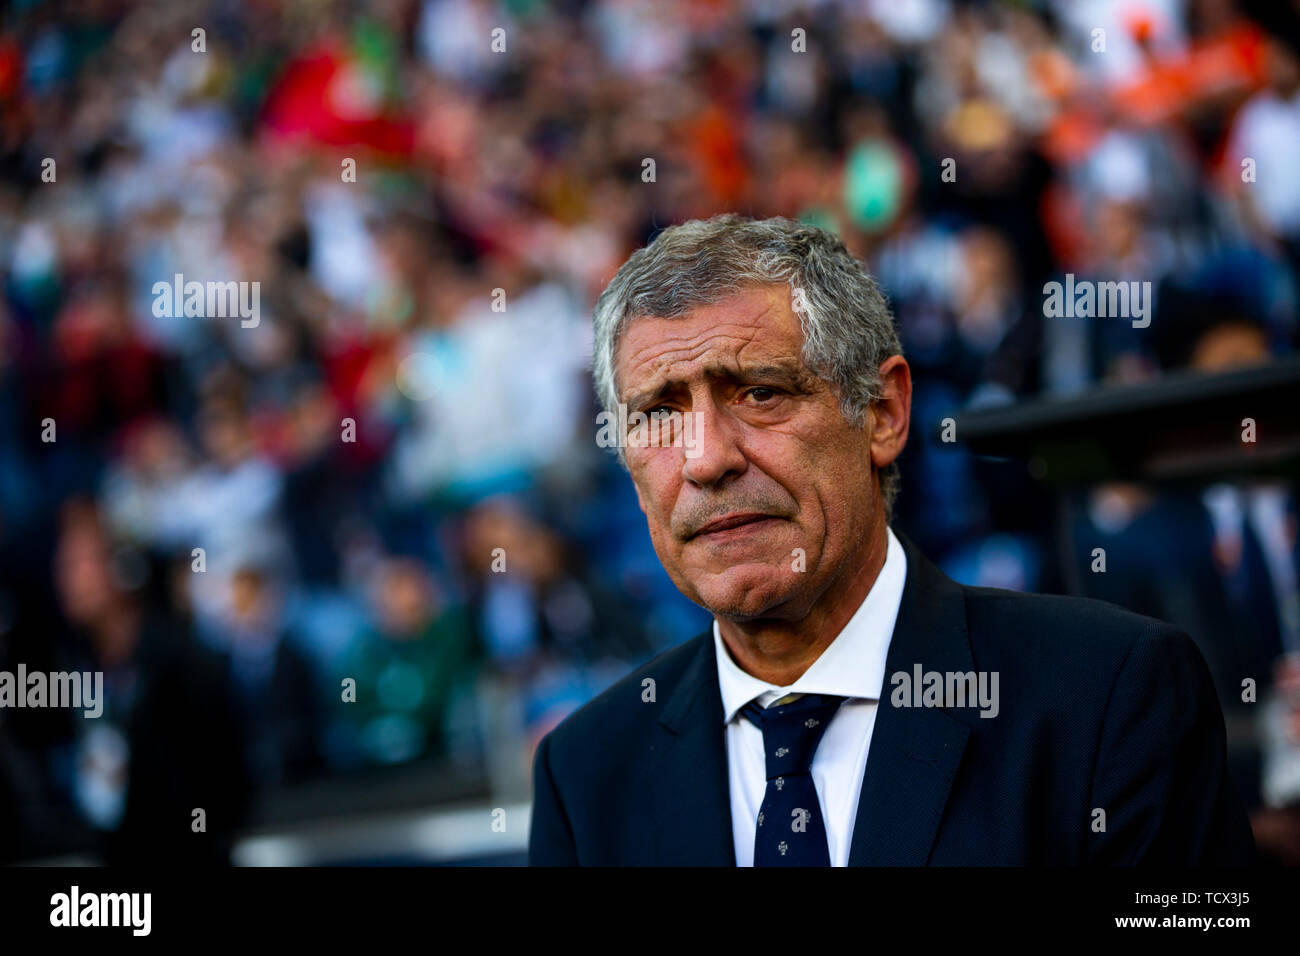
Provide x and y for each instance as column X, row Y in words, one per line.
column 734, row 525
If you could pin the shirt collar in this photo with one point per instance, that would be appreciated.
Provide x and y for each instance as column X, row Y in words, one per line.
column 854, row 663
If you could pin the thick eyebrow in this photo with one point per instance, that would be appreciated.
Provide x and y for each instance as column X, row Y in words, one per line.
column 795, row 377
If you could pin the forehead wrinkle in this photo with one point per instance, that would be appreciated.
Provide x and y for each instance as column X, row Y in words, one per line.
column 713, row 370
column 688, row 352
column 746, row 324
column 730, row 367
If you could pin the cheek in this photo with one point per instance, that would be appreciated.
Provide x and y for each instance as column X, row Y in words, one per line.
column 808, row 471
column 657, row 481
column 834, row 487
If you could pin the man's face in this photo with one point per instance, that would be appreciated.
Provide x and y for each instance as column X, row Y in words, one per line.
column 771, row 450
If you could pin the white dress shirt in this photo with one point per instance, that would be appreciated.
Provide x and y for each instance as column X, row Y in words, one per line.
column 853, row 666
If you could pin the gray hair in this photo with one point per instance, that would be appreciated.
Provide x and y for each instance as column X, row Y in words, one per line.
column 847, row 327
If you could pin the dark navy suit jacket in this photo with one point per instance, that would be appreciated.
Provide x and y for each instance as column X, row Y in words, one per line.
column 1100, row 709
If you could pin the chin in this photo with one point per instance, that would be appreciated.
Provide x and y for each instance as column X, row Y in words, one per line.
column 748, row 591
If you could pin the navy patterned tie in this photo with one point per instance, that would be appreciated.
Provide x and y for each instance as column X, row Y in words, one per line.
column 790, row 829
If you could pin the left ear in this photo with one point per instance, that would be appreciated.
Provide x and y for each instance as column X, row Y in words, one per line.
column 892, row 413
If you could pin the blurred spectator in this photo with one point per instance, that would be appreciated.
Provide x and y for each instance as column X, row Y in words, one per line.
column 275, row 691
column 532, row 598
column 406, row 665
column 1266, row 134
column 168, row 743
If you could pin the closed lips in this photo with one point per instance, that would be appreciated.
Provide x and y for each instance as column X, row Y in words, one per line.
column 731, row 521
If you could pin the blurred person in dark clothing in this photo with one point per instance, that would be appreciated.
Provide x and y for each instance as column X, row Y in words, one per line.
column 274, row 689
column 1065, row 354
column 318, row 485
column 30, row 824
column 531, row 598
column 167, row 744
column 28, row 827
column 951, row 500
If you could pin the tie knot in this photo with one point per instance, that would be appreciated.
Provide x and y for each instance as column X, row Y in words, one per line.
column 791, row 732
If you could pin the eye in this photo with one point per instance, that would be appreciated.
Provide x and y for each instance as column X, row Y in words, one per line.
column 762, row 393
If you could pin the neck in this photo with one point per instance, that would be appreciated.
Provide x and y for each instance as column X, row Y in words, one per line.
column 779, row 651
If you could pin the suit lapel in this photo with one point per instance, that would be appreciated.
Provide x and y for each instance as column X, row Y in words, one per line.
column 692, row 804
column 914, row 751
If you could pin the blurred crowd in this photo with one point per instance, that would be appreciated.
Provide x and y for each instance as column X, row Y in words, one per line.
column 241, row 524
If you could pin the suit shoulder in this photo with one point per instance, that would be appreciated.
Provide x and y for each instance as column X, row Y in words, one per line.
column 1087, row 626
column 621, row 706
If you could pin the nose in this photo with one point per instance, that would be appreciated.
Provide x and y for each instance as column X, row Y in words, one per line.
column 716, row 450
